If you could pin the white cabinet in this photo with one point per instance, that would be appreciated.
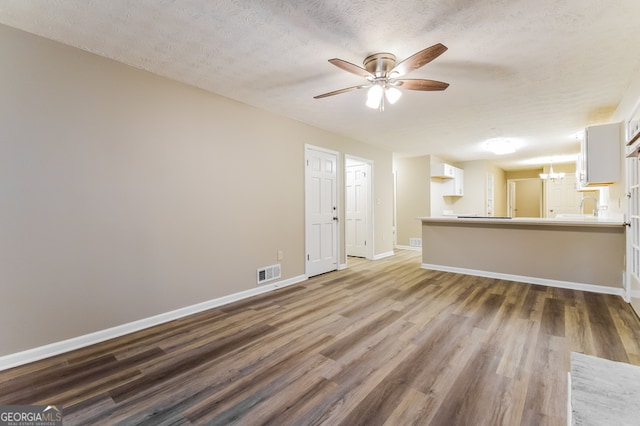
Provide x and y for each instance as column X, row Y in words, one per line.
column 599, row 161
column 452, row 179
column 442, row 171
column 455, row 187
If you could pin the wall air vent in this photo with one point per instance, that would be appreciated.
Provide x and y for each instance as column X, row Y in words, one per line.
column 269, row 273
column 415, row 242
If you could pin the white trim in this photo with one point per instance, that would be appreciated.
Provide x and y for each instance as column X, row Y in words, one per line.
column 400, row 247
column 626, row 290
column 46, row 351
column 383, row 255
column 569, row 406
column 529, row 280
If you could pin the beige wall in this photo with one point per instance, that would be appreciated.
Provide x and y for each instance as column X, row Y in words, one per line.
column 500, row 190
column 529, row 198
column 475, row 188
column 419, row 195
column 412, row 196
column 126, row 195
column 590, row 255
column 529, row 191
column 524, row 174
column 475, row 185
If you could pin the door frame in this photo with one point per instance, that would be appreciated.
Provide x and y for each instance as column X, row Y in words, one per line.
column 370, row 217
column 337, row 186
column 632, row 221
column 512, row 194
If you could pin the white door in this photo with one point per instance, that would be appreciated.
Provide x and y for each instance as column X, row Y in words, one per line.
column 562, row 196
column 321, row 187
column 356, row 206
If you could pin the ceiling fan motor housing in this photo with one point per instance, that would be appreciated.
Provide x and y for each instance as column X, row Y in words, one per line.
column 380, row 64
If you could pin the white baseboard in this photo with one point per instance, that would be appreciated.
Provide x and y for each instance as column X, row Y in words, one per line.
column 383, row 255
column 57, row 348
column 408, row 248
column 529, row 280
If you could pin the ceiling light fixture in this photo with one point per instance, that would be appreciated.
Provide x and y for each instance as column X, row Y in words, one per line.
column 379, row 92
column 384, row 75
column 552, row 176
column 500, row 146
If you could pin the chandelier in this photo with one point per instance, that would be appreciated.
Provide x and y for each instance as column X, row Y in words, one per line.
column 552, row 176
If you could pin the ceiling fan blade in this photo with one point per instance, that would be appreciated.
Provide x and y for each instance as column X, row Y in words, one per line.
column 349, row 67
column 337, row 92
column 420, row 84
column 419, row 59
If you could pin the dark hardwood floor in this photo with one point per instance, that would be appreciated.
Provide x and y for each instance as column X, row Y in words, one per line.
column 380, row 343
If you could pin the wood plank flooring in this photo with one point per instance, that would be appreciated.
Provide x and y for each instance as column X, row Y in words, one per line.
column 380, row 343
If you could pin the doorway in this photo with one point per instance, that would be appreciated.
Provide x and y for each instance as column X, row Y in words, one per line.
column 358, row 207
column 321, row 210
column 524, row 198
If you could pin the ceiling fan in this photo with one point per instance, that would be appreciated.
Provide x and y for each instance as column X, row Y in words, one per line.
column 382, row 74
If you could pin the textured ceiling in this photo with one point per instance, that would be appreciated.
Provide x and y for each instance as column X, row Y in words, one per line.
column 537, row 71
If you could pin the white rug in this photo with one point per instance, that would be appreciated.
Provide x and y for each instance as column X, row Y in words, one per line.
column 603, row 392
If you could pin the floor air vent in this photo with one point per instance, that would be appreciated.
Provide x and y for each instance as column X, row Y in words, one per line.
column 269, row 273
column 415, row 242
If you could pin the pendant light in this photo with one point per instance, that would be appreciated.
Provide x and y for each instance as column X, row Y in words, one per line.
column 552, row 176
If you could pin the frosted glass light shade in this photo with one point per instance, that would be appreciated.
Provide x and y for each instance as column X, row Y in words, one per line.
column 374, row 96
column 392, row 94
column 500, row 146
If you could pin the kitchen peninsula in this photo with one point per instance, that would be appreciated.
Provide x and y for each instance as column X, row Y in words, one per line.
column 584, row 253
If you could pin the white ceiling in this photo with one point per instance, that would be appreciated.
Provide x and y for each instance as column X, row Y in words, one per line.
column 536, row 71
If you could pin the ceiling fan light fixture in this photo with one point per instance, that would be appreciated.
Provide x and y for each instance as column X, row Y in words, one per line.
column 374, row 96
column 392, row 94
column 381, row 70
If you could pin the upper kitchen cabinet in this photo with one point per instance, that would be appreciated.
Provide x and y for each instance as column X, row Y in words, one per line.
column 633, row 133
column 599, row 161
column 452, row 179
column 442, row 171
column 456, row 187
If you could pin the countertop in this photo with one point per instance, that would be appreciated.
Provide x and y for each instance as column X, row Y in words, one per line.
column 591, row 221
column 603, row 392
